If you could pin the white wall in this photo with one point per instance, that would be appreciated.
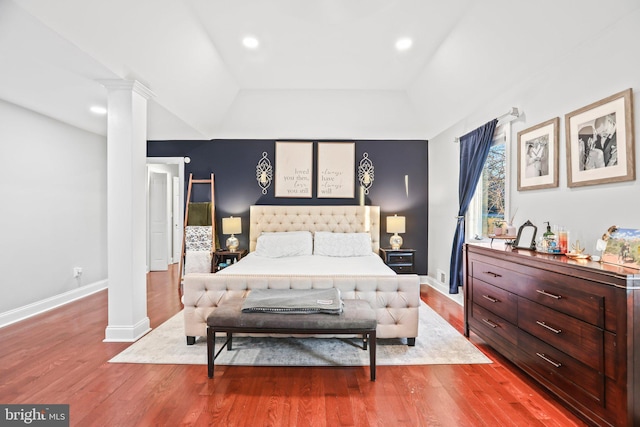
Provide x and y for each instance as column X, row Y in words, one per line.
column 604, row 64
column 352, row 114
column 53, row 216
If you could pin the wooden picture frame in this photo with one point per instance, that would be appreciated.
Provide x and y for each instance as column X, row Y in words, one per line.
column 538, row 154
column 600, row 142
column 294, row 169
column 336, row 170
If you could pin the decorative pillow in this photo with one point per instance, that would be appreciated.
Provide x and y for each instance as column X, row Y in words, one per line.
column 198, row 238
column 284, row 244
column 342, row 244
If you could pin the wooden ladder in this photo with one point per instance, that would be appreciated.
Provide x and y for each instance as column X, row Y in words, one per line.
column 186, row 218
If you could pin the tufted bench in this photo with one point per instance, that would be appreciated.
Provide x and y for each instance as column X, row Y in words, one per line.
column 357, row 318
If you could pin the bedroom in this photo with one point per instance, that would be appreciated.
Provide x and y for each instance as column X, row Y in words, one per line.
column 63, row 166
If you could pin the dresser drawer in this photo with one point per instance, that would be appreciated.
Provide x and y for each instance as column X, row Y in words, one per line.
column 495, row 275
column 571, row 301
column 574, row 337
column 489, row 323
column 496, row 300
column 564, row 372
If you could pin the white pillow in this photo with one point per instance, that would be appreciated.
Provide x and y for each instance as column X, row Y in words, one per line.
column 284, row 244
column 342, row 244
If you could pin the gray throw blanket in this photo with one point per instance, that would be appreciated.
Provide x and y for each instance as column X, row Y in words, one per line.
column 293, row 301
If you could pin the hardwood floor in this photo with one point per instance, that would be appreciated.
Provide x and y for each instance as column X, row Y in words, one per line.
column 59, row 357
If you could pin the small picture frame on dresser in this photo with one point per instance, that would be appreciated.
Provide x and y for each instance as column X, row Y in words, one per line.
column 623, row 248
column 526, row 238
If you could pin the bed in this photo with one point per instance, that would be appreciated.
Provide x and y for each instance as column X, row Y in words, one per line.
column 279, row 258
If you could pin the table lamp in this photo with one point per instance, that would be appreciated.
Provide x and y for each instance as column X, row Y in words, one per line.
column 232, row 225
column 395, row 224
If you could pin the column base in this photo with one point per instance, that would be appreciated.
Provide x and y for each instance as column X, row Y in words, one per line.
column 127, row 333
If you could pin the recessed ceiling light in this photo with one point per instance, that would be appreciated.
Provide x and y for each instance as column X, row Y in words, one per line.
column 404, row 43
column 96, row 109
column 250, row 42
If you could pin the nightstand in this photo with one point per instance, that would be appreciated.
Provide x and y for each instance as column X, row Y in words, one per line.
column 225, row 256
column 402, row 261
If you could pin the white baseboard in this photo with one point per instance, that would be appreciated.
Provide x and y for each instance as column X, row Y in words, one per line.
column 38, row 307
column 443, row 289
column 127, row 333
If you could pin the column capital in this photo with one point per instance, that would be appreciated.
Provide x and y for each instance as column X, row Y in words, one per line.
column 130, row 85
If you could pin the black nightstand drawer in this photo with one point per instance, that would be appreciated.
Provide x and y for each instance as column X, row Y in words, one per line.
column 399, row 260
column 406, row 269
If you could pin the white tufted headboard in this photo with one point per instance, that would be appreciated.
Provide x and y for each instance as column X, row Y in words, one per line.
column 340, row 219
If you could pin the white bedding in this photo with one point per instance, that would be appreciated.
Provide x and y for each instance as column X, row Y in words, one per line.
column 311, row 265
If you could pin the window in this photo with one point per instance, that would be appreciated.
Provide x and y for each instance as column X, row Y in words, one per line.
column 490, row 201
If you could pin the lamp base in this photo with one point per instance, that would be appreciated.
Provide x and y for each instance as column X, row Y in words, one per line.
column 395, row 241
column 232, row 243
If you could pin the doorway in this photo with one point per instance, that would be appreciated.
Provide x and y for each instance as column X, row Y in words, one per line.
column 165, row 211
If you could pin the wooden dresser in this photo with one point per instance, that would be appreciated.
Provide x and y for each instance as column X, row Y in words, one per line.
column 573, row 326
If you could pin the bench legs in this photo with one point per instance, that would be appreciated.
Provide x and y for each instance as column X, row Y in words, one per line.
column 372, row 354
column 369, row 339
column 211, row 347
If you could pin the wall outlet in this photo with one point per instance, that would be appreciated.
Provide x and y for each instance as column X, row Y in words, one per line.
column 442, row 277
column 77, row 272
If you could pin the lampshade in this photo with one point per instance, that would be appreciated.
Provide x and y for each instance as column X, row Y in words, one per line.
column 231, row 225
column 395, row 224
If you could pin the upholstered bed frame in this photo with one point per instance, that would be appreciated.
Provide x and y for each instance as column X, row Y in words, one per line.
column 395, row 298
column 338, row 219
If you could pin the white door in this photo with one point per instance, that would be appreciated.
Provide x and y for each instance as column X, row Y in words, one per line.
column 177, row 226
column 158, row 222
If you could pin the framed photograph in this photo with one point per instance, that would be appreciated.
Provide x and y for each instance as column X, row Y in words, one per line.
column 336, row 169
column 600, row 145
column 294, row 169
column 623, row 248
column 538, row 149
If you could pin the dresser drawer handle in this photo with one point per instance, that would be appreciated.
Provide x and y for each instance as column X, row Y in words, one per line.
column 544, row 325
column 490, row 323
column 491, row 273
column 548, row 294
column 546, row 359
column 489, row 298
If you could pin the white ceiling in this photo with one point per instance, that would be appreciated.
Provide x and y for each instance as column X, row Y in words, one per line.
column 333, row 59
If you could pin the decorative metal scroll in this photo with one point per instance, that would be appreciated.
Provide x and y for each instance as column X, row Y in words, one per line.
column 264, row 173
column 365, row 173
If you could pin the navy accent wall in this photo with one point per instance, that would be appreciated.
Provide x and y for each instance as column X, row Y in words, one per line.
column 233, row 163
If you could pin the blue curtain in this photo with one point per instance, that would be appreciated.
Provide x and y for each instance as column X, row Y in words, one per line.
column 474, row 149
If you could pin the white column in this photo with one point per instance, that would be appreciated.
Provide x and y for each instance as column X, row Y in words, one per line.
column 126, row 210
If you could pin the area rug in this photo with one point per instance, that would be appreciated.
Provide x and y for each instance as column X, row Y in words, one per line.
column 438, row 343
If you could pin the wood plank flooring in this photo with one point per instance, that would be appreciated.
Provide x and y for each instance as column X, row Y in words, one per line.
column 59, row 357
